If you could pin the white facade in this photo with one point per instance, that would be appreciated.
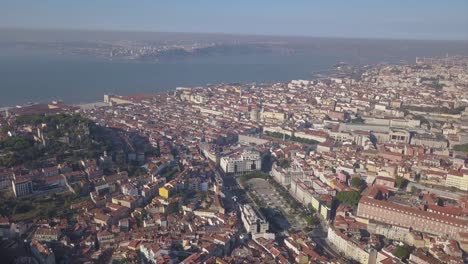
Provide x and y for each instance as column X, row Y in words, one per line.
column 457, row 181
column 351, row 249
column 246, row 161
column 253, row 221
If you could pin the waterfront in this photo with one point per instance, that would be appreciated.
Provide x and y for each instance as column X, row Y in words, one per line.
column 41, row 76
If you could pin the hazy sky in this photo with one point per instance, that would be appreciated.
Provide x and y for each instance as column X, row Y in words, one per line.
column 415, row 19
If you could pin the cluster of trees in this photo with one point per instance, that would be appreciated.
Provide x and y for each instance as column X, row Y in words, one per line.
column 357, row 120
column 42, row 207
column 462, row 147
column 256, row 174
column 173, row 208
column 400, row 181
column 284, row 163
column 423, row 120
column 402, row 252
column 435, row 82
column 292, row 138
column 358, row 183
column 350, row 198
column 312, row 220
column 18, row 150
column 65, row 120
column 86, row 140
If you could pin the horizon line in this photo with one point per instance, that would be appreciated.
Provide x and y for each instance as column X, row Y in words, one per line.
column 229, row 34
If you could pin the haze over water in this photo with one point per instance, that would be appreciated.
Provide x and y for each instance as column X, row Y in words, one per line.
column 40, row 75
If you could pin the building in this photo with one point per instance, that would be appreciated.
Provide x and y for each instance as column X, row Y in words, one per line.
column 22, row 187
column 280, row 175
column 350, row 248
column 421, row 257
column 166, row 191
column 315, row 135
column 388, row 182
column 126, row 201
column 405, row 216
column 151, row 252
column 46, row 234
column 273, row 117
column 429, row 140
column 210, row 152
column 246, row 161
column 41, row 253
column 254, row 222
column 104, row 237
column 399, row 136
column 458, row 180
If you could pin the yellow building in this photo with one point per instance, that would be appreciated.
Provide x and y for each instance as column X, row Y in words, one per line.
column 325, row 211
column 315, row 203
column 165, row 191
column 115, row 100
column 274, row 117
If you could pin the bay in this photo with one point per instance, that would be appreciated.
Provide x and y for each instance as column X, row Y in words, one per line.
column 45, row 75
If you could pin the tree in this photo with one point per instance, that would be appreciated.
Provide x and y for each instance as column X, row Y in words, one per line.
column 284, row 163
column 173, row 208
column 400, row 181
column 312, row 220
column 312, row 209
column 462, row 147
column 357, row 120
column 402, row 252
column 350, row 198
column 357, row 182
column 139, row 220
column 356, row 165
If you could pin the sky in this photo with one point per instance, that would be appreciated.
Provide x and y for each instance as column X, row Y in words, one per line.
column 397, row 19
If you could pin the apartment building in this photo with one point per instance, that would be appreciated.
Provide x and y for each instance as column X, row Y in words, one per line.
column 417, row 219
column 246, row 161
column 254, row 222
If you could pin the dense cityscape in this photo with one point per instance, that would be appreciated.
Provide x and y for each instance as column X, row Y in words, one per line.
column 363, row 168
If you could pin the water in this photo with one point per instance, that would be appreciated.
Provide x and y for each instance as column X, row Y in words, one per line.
column 42, row 76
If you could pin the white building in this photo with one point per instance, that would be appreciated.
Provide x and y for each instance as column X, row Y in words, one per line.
column 246, row 161
column 254, row 222
column 458, row 180
column 351, row 249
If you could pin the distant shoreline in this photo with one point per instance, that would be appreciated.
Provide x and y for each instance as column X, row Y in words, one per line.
column 42, row 77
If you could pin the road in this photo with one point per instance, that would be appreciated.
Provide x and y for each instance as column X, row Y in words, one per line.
column 231, row 188
column 319, row 236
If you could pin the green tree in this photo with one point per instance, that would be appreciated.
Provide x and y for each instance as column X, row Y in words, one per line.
column 312, row 220
column 173, row 208
column 402, row 252
column 312, row 209
column 357, row 182
column 462, row 147
column 350, row 198
column 284, row 163
column 400, row 181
